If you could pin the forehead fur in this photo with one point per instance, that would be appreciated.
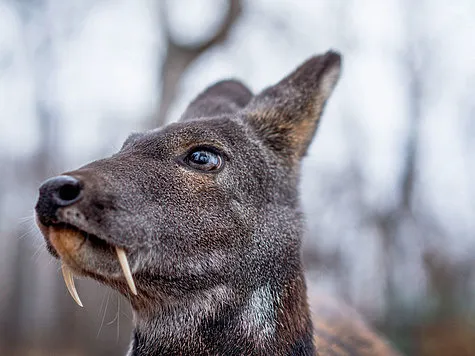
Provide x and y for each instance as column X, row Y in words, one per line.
column 222, row 131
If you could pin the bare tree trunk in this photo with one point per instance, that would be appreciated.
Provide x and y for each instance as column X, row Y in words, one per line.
column 389, row 222
column 179, row 57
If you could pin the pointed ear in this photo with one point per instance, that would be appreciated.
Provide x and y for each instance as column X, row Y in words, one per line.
column 227, row 96
column 286, row 115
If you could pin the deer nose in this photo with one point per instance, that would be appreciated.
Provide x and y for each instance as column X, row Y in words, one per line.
column 55, row 193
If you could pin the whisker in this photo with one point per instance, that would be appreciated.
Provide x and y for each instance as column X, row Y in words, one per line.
column 27, row 218
column 104, row 313
column 113, row 320
column 37, row 254
column 27, row 232
column 118, row 317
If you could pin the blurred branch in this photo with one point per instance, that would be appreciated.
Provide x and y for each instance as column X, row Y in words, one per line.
column 412, row 144
column 179, row 56
column 390, row 221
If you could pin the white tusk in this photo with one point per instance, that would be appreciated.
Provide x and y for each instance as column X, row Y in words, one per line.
column 126, row 269
column 69, row 280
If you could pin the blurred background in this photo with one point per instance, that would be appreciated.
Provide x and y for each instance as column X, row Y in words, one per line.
column 387, row 186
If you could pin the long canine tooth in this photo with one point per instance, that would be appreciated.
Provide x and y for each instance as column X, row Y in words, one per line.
column 69, row 280
column 124, row 263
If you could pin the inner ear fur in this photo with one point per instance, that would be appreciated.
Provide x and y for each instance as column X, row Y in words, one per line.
column 224, row 97
column 286, row 115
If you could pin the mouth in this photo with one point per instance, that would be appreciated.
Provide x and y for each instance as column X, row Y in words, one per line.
column 72, row 245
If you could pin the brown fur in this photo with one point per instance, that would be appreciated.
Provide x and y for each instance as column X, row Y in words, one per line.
column 339, row 330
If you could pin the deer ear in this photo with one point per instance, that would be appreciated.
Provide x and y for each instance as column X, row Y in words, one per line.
column 286, row 115
column 227, row 96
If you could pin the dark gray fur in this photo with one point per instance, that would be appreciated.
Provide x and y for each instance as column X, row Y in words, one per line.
column 215, row 256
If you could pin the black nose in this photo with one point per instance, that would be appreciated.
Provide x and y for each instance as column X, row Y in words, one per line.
column 57, row 192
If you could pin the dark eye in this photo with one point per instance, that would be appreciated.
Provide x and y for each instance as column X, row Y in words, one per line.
column 204, row 159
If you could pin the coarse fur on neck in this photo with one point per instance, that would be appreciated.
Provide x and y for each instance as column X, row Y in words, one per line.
column 264, row 314
column 272, row 319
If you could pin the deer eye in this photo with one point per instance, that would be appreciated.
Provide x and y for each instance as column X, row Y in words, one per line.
column 204, row 159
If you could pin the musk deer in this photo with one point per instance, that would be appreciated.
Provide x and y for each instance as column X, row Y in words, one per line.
column 199, row 225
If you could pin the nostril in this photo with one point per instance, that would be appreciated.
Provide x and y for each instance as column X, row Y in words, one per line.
column 69, row 192
column 57, row 192
column 65, row 190
column 60, row 191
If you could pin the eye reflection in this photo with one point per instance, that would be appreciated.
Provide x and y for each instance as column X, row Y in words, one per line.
column 204, row 159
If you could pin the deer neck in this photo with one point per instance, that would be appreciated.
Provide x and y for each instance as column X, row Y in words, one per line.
column 270, row 319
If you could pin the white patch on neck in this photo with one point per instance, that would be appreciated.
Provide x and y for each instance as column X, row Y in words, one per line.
column 259, row 317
